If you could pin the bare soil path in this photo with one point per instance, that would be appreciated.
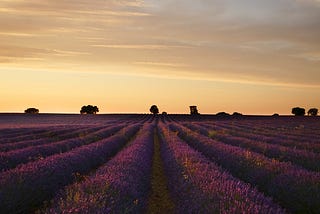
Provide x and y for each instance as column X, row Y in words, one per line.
column 159, row 200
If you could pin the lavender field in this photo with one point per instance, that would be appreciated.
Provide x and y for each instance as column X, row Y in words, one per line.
column 159, row 164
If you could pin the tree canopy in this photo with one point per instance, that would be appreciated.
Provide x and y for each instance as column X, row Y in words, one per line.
column 237, row 114
column 194, row 110
column 223, row 114
column 89, row 109
column 154, row 109
column 297, row 111
column 313, row 112
column 31, row 111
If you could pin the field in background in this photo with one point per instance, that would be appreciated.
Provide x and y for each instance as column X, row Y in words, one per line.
column 167, row 163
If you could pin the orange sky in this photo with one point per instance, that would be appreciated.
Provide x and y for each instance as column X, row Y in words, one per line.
column 250, row 56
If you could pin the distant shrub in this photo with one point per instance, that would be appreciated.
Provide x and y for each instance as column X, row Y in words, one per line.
column 164, row 113
column 297, row 111
column 31, row 111
column 223, row 114
column 313, row 112
column 275, row 115
column 89, row 109
column 154, row 109
column 194, row 110
column 236, row 114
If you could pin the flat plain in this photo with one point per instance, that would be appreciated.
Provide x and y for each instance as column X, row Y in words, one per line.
column 141, row 163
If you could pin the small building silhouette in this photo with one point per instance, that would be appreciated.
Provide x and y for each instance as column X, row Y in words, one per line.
column 194, row 110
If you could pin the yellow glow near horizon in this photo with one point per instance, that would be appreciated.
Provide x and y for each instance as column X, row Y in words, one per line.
column 124, row 56
column 66, row 92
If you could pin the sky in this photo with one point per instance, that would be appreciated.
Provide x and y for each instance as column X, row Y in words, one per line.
column 248, row 56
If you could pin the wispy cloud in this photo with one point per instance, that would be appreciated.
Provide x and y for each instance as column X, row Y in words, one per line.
column 262, row 40
column 165, row 64
column 68, row 53
column 142, row 46
column 17, row 34
column 311, row 56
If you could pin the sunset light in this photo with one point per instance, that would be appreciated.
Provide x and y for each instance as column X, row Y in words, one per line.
column 159, row 106
column 250, row 56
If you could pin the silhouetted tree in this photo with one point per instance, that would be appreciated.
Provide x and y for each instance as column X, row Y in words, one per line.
column 236, row 114
column 154, row 109
column 222, row 114
column 297, row 111
column 275, row 115
column 194, row 110
column 31, row 111
column 89, row 109
column 313, row 112
column 164, row 113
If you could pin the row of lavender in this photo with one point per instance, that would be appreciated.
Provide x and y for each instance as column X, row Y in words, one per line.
column 25, row 187
column 295, row 188
column 54, row 140
column 272, row 129
column 307, row 159
column 291, row 127
column 13, row 158
column 16, row 123
column 120, row 186
column 198, row 185
column 287, row 128
column 309, row 142
column 53, row 135
column 28, row 133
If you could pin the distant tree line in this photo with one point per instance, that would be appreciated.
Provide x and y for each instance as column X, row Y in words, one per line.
column 90, row 109
column 224, row 114
column 297, row 111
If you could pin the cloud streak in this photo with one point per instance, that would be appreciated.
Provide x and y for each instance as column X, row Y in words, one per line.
column 256, row 40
